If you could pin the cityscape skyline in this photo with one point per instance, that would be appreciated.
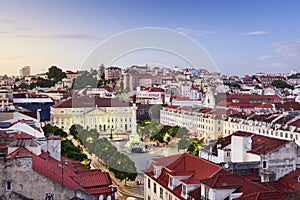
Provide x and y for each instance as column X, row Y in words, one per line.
column 240, row 37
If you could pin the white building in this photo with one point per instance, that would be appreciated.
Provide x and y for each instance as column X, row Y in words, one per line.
column 102, row 114
column 273, row 157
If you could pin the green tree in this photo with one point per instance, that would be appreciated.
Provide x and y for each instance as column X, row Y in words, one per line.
column 75, row 130
column 122, row 166
column 70, row 151
column 281, row 84
column 56, row 74
column 101, row 71
column 145, row 118
column 84, row 80
column 53, row 130
column 194, row 146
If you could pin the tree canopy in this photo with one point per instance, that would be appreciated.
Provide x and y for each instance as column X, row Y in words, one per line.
column 84, row 80
column 68, row 149
column 120, row 164
column 281, row 84
column 194, row 146
column 56, row 74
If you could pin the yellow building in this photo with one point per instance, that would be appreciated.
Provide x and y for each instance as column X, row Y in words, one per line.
column 102, row 114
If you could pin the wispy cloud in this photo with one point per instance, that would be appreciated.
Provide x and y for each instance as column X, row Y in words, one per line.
column 75, row 37
column 287, row 48
column 188, row 31
column 265, row 57
column 6, row 22
column 257, row 33
column 63, row 37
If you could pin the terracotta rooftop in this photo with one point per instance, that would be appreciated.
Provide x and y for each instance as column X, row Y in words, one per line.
column 86, row 102
column 292, row 179
column 264, row 196
column 245, row 98
column 265, row 105
column 16, row 135
column 69, row 173
column 260, row 144
column 190, row 162
column 224, row 179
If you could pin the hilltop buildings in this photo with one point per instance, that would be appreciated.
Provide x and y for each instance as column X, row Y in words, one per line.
column 25, row 71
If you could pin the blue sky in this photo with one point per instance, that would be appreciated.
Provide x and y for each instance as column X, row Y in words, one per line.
column 242, row 37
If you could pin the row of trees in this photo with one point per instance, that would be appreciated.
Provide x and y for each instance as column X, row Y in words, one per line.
column 68, row 149
column 120, row 164
column 165, row 133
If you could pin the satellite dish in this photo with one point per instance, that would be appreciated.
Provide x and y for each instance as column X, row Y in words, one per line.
column 101, row 197
column 109, row 197
column 226, row 166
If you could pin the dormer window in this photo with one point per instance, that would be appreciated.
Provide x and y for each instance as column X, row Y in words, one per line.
column 171, row 182
column 156, row 172
column 184, row 190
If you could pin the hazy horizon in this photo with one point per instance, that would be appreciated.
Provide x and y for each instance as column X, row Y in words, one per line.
column 241, row 37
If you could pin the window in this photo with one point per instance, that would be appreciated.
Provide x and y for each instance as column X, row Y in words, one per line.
column 161, row 192
column 8, row 186
column 206, row 192
column 170, row 196
column 171, row 182
column 183, row 192
column 154, row 188
column 264, row 164
column 149, row 183
column 228, row 153
column 149, row 197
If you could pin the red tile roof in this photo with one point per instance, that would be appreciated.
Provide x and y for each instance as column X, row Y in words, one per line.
column 19, row 151
column 291, row 179
column 86, row 102
column 187, row 162
column 260, row 144
column 224, row 179
column 245, row 98
column 265, row 105
column 16, row 135
column 165, row 160
column 69, row 173
column 264, row 196
column 249, row 189
column 186, row 165
column 295, row 123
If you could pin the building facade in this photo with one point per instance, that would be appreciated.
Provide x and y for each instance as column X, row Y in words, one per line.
column 102, row 114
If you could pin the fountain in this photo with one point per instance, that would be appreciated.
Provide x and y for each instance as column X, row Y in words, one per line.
column 134, row 144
